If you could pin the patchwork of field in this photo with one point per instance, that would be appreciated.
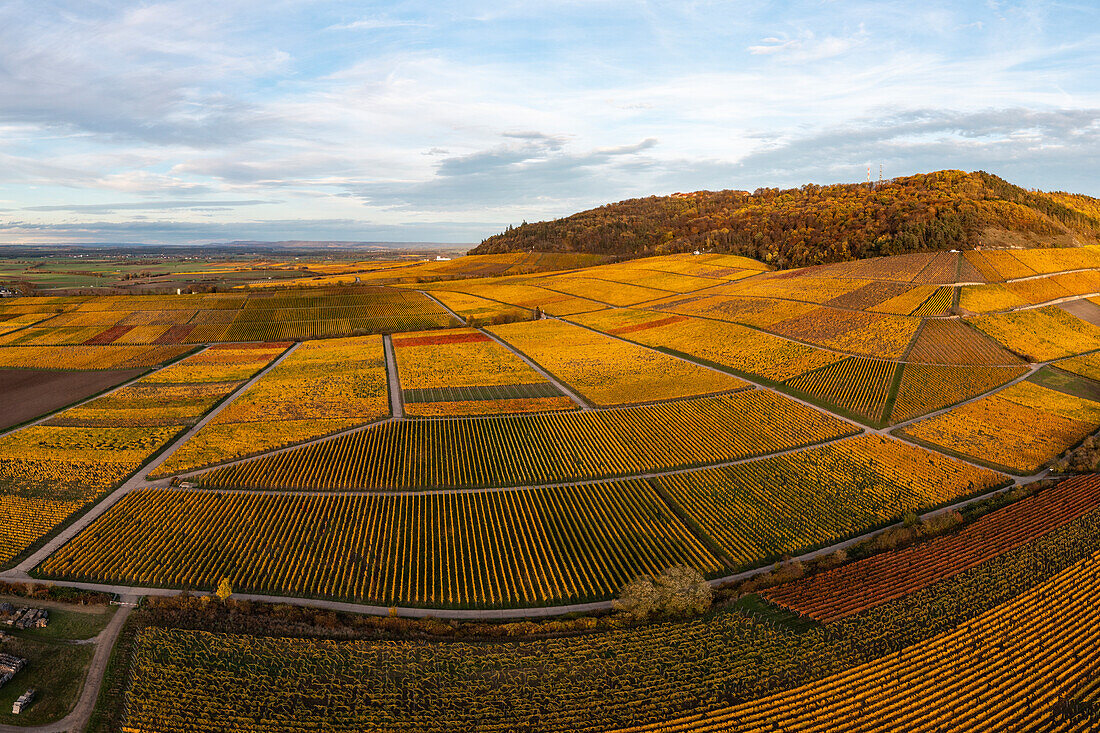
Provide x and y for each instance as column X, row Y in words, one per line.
column 621, row 284
column 465, row 372
column 857, row 386
column 1022, row 427
column 608, row 371
column 1041, row 334
column 323, row 387
column 719, row 424
column 48, row 471
column 1035, row 648
column 850, row 589
column 764, row 509
column 689, row 672
column 729, row 345
column 220, row 317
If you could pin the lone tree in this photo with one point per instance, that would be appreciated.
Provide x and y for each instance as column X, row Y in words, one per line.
column 225, row 589
column 677, row 591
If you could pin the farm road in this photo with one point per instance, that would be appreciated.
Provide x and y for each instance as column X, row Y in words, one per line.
column 440, row 303
column 78, row 719
column 138, row 481
column 483, row 614
column 397, row 397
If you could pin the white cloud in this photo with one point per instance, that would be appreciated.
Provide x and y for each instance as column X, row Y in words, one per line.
column 370, row 24
column 526, row 111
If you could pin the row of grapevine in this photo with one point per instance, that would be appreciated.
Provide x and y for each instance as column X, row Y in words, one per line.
column 926, row 388
column 937, row 305
column 860, row 386
column 849, row 589
column 47, row 471
column 1006, row 670
column 464, row 372
column 200, row 682
column 1022, row 427
column 858, row 332
column 609, row 371
column 88, row 357
column 490, row 548
column 323, row 387
column 951, row 341
column 775, row 506
column 530, row 450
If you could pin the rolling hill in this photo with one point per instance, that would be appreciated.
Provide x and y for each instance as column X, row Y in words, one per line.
column 821, row 224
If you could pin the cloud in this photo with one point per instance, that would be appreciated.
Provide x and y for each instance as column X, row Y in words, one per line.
column 530, row 110
column 370, row 24
column 807, row 46
column 156, row 73
column 182, row 233
column 1053, row 149
column 533, row 172
column 147, row 206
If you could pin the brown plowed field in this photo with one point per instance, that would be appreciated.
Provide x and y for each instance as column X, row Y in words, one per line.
column 29, row 393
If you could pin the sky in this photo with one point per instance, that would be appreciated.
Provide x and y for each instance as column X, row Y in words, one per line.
column 190, row 121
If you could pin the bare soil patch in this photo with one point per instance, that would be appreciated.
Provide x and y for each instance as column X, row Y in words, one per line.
column 30, row 393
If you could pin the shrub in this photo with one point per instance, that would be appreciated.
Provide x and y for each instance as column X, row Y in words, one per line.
column 678, row 591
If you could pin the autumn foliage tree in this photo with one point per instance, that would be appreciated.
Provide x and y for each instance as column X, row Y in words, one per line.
column 815, row 224
column 677, row 591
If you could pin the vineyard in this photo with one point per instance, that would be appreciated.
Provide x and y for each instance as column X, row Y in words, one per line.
column 197, row 681
column 543, row 448
column 926, row 388
column 764, row 509
column 195, row 319
column 858, row 386
column 697, row 410
column 937, row 305
column 1022, row 427
column 465, row 372
column 728, row 345
column 609, row 371
column 467, row 549
column 953, row 342
column 856, row 332
column 321, row 388
column 1003, row 670
column 853, row 588
column 88, row 357
column 1041, row 334
column 758, row 312
column 48, row 471
column 988, row 298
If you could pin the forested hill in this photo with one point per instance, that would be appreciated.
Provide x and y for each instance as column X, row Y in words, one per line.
column 818, row 224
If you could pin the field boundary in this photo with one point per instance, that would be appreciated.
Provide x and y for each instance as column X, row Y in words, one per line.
column 109, row 390
column 498, row 613
column 68, row 529
column 582, row 402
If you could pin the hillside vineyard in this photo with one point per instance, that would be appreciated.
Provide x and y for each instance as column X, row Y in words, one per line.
column 419, row 487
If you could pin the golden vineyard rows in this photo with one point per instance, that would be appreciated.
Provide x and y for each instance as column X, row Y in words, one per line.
column 484, row 549
column 539, row 449
column 1004, row 670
